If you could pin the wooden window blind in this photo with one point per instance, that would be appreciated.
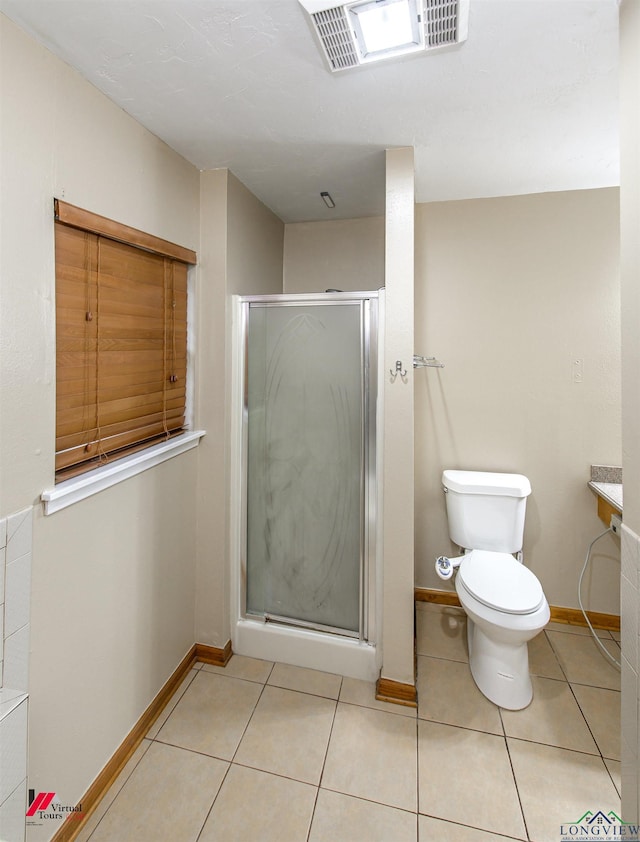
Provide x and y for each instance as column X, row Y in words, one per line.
column 121, row 323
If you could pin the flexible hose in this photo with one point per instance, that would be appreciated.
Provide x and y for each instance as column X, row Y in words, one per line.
column 605, row 651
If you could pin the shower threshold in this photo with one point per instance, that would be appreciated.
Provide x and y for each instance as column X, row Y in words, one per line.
column 300, row 646
column 304, row 624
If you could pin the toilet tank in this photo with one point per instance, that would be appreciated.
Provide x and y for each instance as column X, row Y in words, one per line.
column 485, row 510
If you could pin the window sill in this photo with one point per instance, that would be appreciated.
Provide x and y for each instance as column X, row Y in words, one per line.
column 73, row 490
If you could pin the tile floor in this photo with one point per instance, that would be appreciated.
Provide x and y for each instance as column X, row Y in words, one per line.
column 271, row 752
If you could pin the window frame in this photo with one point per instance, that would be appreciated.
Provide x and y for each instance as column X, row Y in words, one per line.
column 93, row 476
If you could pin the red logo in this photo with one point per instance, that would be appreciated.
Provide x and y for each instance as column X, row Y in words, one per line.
column 39, row 802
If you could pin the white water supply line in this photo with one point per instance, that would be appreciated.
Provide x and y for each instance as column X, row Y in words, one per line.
column 615, row 525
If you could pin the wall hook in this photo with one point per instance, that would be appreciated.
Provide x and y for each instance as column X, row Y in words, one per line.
column 398, row 370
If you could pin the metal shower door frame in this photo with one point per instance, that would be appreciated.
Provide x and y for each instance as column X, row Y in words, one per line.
column 368, row 302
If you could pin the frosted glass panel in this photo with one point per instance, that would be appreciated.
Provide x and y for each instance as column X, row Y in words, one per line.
column 304, row 372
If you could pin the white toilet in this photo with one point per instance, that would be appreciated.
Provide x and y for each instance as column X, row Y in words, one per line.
column 503, row 600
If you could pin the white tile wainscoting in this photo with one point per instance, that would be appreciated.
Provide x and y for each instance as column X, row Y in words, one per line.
column 15, row 588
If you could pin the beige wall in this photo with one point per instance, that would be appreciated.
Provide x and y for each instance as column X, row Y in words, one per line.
column 255, row 243
column 113, row 577
column 630, row 272
column 241, row 254
column 347, row 254
column 508, row 292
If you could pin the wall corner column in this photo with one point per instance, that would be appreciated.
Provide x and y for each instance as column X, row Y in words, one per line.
column 398, row 667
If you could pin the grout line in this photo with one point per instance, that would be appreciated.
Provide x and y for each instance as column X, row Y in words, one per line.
column 472, row 827
column 465, row 727
column 272, row 773
column 370, row 801
column 381, row 710
column 171, row 705
column 560, row 748
column 215, row 798
column 324, row 761
column 193, row 751
column 555, row 654
column 584, row 716
column 230, row 762
column 515, row 781
column 246, row 727
column 615, row 785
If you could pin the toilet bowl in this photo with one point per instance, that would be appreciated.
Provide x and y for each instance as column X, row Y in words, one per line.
column 505, row 608
column 503, row 600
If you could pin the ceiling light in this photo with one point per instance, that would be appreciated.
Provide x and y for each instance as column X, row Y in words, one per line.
column 326, row 198
column 362, row 31
column 386, row 25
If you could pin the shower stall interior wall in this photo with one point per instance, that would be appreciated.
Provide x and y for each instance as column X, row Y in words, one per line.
column 305, row 487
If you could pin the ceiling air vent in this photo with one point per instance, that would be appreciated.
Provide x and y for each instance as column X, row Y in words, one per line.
column 442, row 23
column 362, row 31
column 335, row 36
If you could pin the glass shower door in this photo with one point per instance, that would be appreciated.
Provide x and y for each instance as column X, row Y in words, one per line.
column 305, row 403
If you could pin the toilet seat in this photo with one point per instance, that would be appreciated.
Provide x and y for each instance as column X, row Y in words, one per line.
column 498, row 581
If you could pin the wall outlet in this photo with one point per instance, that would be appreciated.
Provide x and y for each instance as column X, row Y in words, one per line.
column 615, row 524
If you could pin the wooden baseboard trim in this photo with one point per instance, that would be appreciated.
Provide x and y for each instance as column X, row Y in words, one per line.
column 439, row 597
column 396, row 692
column 574, row 617
column 213, row 655
column 199, row 652
column 570, row 616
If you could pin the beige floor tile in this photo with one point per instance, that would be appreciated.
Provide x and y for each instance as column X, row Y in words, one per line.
column 615, row 770
column 160, row 801
column 601, row 709
column 372, row 755
column 616, row 636
column 558, row 786
column 465, row 776
column 447, row 693
column 583, row 630
column 254, row 805
column 173, row 701
column 239, row 666
column 288, row 734
column 442, row 634
column 212, row 715
column 553, row 717
column 306, row 681
column 430, row 830
column 97, row 815
column 363, row 693
column 542, row 658
column 583, row 662
column 347, row 819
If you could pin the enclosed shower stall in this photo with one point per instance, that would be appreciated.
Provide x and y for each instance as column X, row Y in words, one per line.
column 305, row 569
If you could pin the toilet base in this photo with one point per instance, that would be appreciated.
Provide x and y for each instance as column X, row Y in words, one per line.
column 500, row 670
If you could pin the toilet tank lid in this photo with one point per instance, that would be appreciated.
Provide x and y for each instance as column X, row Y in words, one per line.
column 485, row 482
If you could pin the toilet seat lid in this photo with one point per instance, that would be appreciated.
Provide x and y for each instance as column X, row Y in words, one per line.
column 499, row 581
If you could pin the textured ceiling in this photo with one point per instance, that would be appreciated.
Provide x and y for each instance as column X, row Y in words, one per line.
column 527, row 104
